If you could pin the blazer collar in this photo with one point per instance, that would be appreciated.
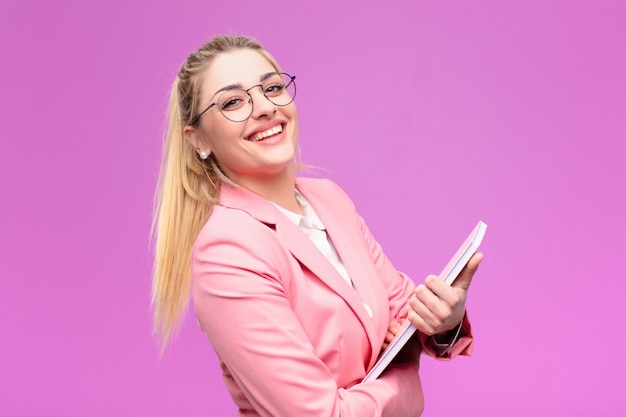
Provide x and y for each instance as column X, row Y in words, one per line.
column 290, row 234
column 235, row 197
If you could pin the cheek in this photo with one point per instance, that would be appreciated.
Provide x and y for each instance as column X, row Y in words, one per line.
column 292, row 114
column 295, row 131
column 294, row 111
column 220, row 135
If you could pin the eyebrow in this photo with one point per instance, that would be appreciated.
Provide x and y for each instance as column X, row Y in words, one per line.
column 262, row 78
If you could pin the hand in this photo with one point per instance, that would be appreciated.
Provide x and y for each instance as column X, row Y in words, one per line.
column 392, row 331
column 437, row 307
column 411, row 351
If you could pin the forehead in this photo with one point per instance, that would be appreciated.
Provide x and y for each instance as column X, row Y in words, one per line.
column 242, row 66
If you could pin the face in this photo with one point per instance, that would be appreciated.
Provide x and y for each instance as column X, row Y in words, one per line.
column 264, row 145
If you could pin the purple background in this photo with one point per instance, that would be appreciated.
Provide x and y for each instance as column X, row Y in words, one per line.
column 431, row 114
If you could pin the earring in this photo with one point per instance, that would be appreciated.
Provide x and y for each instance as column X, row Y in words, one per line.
column 203, row 154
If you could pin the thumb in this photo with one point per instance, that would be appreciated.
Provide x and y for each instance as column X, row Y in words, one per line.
column 467, row 273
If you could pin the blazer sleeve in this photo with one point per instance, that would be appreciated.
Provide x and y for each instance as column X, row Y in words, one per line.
column 400, row 288
column 242, row 305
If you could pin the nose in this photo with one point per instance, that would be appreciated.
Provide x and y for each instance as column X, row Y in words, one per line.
column 261, row 105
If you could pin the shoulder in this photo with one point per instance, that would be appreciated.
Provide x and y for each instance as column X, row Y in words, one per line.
column 234, row 243
column 233, row 224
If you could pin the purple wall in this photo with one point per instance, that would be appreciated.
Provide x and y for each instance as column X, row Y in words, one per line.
column 431, row 114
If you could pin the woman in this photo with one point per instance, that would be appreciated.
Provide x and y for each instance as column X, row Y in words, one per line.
column 290, row 287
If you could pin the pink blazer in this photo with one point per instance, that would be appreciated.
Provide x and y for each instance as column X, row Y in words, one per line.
column 293, row 338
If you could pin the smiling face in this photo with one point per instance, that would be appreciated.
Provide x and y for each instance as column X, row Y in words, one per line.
column 262, row 146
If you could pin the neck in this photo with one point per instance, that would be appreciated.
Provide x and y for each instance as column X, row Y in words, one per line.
column 278, row 189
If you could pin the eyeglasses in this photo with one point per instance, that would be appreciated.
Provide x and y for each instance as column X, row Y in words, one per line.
column 236, row 103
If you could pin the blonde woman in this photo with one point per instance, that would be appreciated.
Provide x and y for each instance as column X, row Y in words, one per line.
column 288, row 284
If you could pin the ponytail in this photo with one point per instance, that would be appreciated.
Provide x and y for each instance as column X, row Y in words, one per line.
column 183, row 201
column 187, row 189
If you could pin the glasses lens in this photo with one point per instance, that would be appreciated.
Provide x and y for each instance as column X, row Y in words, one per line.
column 235, row 105
column 280, row 89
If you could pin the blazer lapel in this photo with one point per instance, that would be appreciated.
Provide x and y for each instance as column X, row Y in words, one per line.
column 310, row 256
column 298, row 244
column 367, row 290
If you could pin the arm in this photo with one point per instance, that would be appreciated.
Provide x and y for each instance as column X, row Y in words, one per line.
column 241, row 297
column 401, row 289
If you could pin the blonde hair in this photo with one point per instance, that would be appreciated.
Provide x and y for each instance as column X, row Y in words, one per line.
column 187, row 190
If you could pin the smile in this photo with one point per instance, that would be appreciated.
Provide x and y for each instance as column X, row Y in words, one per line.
column 269, row 132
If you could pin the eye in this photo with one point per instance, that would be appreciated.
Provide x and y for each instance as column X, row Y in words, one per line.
column 233, row 100
column 231, row 103
column 274, row 89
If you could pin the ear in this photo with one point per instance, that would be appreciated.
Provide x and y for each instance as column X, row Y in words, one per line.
column 193, row 138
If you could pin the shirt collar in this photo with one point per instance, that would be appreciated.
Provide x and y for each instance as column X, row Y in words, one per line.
column 310, row 219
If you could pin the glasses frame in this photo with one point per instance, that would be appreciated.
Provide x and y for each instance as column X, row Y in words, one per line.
column 292, row 79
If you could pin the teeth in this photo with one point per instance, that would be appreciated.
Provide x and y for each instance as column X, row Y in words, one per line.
column 262, row 135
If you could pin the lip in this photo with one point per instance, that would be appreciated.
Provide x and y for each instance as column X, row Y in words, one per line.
column 264, row 127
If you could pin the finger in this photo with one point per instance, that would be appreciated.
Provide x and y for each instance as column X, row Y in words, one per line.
column 424, row 305
column 424, row 302
column 420, row 324
column 448, row 296
column 424, row 292
column 436, row 295
column 438, row 287
column 394, row 327
column 445, row 313
column 465, row 277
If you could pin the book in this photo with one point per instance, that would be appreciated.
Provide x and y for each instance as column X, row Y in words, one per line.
column 448, row 275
